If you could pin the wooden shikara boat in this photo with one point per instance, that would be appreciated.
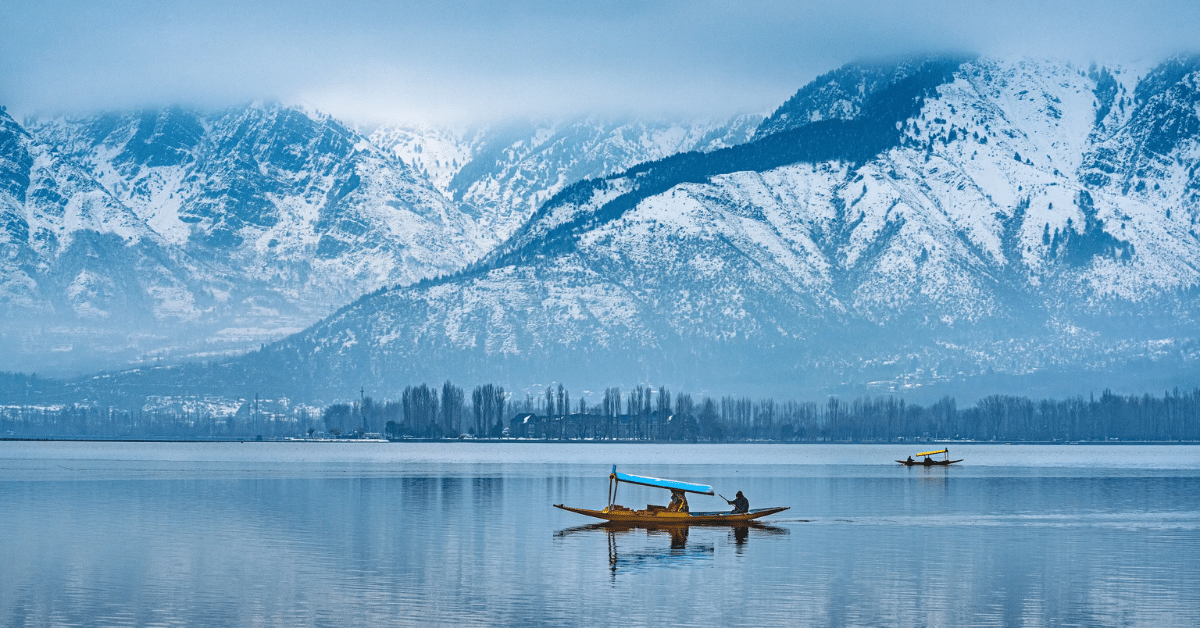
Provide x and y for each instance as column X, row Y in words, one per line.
column 661, row 515
column 621, row 514
column 926, row 461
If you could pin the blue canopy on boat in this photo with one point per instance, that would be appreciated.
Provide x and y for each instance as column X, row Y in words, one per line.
column 645, row 481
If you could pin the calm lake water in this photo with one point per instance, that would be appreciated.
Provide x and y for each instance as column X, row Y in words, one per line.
column 380, row 534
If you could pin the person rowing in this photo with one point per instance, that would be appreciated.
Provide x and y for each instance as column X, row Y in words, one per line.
column 739, row 502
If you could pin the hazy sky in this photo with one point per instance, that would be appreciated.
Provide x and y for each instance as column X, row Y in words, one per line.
column 467, row 61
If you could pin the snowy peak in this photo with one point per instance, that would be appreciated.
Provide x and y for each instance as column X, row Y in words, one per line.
column 261, row 180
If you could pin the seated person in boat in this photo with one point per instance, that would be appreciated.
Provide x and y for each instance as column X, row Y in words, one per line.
column 740, row 504
column 678, row 502
column 910, row 460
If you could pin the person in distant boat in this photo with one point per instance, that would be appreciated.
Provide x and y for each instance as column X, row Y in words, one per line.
column 740, row 504
column 927, row 461
column 678, row 501
column 910, row 460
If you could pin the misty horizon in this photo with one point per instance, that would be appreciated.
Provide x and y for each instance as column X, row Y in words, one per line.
column 473, row 63
column 367, row 121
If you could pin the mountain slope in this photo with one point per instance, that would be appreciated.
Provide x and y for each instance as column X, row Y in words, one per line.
column 501, row 174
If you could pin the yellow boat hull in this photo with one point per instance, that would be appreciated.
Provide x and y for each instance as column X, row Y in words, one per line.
column 621, row 514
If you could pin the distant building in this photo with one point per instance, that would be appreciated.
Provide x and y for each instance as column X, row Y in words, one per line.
column 523, row 426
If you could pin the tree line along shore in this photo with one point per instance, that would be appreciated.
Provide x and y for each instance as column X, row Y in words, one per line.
column 641, row 414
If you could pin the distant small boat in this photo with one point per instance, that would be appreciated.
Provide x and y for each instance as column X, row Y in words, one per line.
column 660, row 515
column 926, row 461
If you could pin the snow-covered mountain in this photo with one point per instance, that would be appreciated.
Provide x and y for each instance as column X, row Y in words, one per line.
column 502, row 173
column 169, row 231
column 176, row 233
column 71, row 253
column 892, row 225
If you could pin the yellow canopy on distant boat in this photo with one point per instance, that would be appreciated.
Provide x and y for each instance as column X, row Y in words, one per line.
column 930, row 453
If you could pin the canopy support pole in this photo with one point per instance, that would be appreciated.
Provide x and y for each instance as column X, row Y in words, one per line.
column 612, row 486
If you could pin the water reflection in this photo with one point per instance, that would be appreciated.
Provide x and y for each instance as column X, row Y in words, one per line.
column 931, row 475
column 666, row 545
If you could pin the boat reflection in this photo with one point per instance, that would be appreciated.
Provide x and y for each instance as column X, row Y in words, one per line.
column 676, row 551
